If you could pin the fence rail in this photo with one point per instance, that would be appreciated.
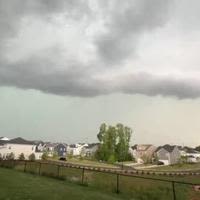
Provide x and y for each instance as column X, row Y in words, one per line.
column 128, row 182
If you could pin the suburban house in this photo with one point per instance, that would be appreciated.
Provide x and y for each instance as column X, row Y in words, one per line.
column 18, row 146
column 49, row 148
column 168, row 154
column 142, row 152
column 61, row 149
column 76, row 149
column 39, row 146
column 90, row 150
column 191, row 155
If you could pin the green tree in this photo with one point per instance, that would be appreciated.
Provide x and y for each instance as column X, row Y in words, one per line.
column 10, row 156
column 31, row 157
column 45, row 156
column 114, row 143
column 55, row 154
column 124, row 136
column 21, row 157
column 1, row 157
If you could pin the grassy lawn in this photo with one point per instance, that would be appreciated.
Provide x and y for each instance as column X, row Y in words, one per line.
column 88, row 162
column 131, row 188
column 16, row 185
column 179, row 167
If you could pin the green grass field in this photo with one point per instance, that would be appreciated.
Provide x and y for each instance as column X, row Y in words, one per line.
column 15, row 185
column 130, row 187
column 179, row 167
column 86, row 162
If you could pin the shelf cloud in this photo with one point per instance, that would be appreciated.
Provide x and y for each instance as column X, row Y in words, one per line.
column 91, row 48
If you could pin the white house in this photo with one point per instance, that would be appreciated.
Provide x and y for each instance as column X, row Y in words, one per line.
column 50, row 148
column 18, row 146
column 168, row 154
column 76, row 149
column 191, row 154
column 142, row 152
column 90, row 150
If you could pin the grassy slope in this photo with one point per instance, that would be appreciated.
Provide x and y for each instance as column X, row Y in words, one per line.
column 179, row 167
column 87, row 162
column 130, row 187
column 18, row 185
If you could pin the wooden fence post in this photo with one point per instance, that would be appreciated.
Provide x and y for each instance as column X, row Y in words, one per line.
column 25, row 166
column 83, row 170
column 173, row 189
column 39, row 172
column 117, row 183
column 13, row 165
column 58, row 171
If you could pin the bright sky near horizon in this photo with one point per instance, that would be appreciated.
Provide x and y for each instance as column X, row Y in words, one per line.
column 67, row 66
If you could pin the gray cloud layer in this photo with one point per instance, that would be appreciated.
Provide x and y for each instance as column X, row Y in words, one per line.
column 126, row 21
column 123, row 22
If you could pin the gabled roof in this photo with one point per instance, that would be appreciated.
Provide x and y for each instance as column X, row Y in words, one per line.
column 49, row 144
column 61, row 144
column 141, row 147
column 19, row 140
column 134, row 147
column 167, row 147
column 190, row 150
column 72, row 146
column 38, row 142
column 92, row 145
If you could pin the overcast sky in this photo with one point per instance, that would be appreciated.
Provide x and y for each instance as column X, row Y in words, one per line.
column 67, row 66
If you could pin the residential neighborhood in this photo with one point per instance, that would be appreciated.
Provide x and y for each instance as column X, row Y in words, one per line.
column 141, row 153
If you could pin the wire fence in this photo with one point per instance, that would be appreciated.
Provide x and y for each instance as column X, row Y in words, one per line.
column 127, row 183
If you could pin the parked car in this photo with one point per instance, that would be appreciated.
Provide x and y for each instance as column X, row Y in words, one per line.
column 63, row 159
column 160, row 163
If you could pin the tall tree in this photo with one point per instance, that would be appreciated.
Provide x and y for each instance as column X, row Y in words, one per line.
column 114, row 142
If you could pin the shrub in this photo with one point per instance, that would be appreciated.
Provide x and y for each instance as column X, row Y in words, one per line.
column 21, row 157
column 31, row 157
column 10, row 156
column 111, row 159
column 44, row 156
column 1, row 157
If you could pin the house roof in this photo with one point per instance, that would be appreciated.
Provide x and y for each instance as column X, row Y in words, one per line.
column 190, row 150
column 141, row 147
column 61, row 144
column 167, row 147
column 72, row 146
column 49, row 144
column 92, row 145
column 17, row 140
column 134, row 147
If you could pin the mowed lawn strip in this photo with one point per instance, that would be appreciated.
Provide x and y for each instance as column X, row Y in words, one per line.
column 178, row 167
column 18, row 185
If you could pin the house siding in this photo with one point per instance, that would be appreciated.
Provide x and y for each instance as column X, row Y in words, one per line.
column 17, row 149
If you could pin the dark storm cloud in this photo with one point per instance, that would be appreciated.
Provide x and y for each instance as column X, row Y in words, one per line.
column 12, row 12
column 151, row 85
column 40, row 75
column 125, row 24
